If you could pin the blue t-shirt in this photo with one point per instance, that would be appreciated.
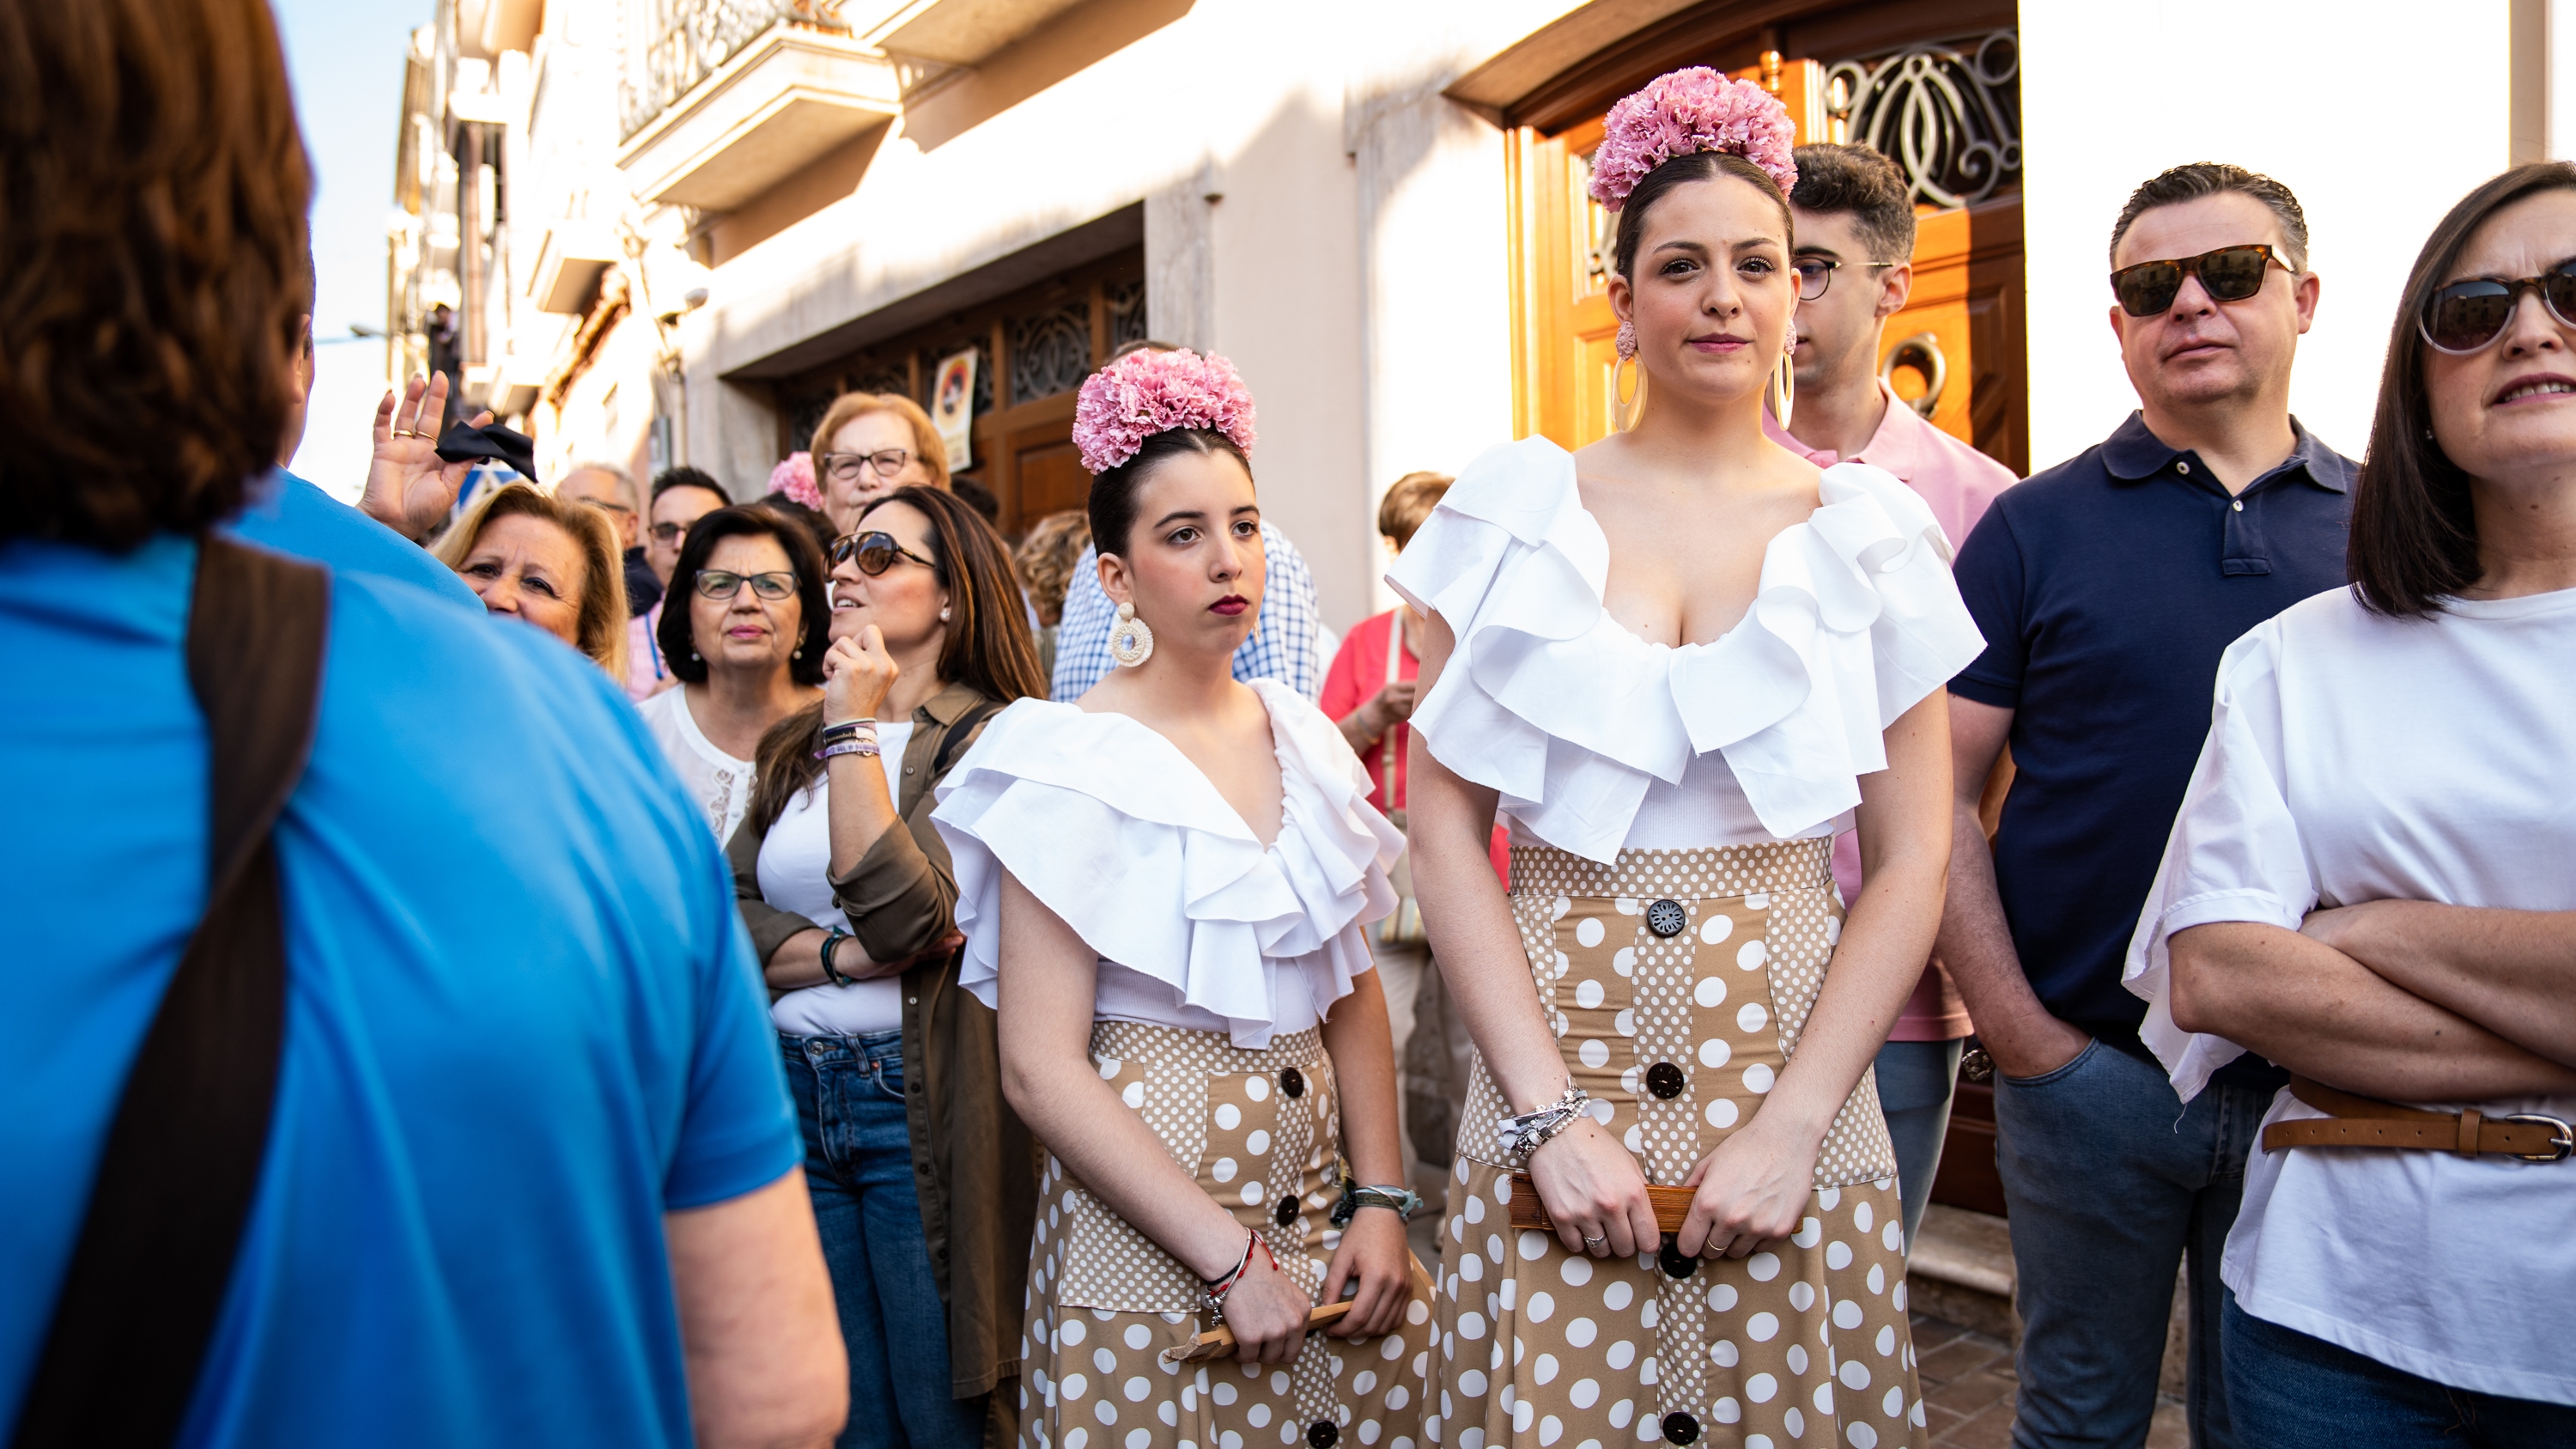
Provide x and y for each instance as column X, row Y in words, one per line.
column 2107, row 587
column 522, row 1015
column 293, row 517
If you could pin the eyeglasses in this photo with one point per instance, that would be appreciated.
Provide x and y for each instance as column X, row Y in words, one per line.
column 1815, row 274
column 874, row 551
column 2469, row 316
column 844, row 467
column 718, row 584
column 669, row 533
column 608, row 505
column 2229, row 274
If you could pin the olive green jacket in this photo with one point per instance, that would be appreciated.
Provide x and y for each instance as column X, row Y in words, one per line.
column 973, row 1163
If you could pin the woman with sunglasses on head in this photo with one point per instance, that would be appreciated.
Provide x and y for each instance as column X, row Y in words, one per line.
column 921, row 1176
column 870, row 444
column 2369, row 884
column 1681, row 660
column 1164, row 888
column 743, row 630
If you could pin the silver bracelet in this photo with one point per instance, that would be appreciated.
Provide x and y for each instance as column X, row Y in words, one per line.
column 1527, row 1133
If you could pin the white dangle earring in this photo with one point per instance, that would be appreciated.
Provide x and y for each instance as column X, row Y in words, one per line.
column 1130, row 642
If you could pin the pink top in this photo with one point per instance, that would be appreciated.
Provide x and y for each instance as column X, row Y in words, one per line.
column 1958, row 482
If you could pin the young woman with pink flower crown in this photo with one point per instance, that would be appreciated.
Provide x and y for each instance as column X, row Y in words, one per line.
column 1678, row 661
column 1163, row 887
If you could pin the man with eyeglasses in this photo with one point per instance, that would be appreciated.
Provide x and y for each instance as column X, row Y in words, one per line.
column 681, row 496
column 1854, row 212
column 611, row 490
column 2107, row 587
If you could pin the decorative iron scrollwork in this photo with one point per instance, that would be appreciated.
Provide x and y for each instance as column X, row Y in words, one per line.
column 1948, row 113
column 671, row 45
column 1126, row 301
column 1051, row 352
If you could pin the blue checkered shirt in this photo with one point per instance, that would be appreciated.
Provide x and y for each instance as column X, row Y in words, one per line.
column 1282, row 645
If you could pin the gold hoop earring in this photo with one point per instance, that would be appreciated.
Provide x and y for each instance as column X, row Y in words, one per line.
column 1130, row 642
column 1621, row 400
column 1784, row 388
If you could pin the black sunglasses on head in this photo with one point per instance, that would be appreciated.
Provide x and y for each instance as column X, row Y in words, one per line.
column 2229, row 274
column 2469, row 316
column 874, row 552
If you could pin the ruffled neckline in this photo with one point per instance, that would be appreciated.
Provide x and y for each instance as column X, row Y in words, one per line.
column 1571, row 716
column 1115, row 830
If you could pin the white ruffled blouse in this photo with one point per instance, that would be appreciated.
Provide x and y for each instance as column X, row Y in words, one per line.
column 1197, row 924
column 1572, row 717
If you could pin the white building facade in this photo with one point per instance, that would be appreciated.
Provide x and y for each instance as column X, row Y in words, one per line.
column 672, row 230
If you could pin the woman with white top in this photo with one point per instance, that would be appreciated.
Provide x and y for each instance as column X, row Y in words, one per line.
column 922, row 1179
column 743, row 630
column 1680, row 660
column 2372, row 882
column 1163, row 888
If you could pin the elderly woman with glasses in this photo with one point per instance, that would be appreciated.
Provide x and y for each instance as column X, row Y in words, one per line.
column 922, row 1178
column 870, row 444
column 743, row 630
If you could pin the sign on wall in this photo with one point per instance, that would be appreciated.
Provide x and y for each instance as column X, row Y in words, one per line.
column 952, row 408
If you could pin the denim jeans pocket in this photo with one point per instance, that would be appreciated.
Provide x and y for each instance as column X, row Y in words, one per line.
column 2055, row 1075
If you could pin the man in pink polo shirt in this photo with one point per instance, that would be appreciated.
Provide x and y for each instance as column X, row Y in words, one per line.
column 1855, row 236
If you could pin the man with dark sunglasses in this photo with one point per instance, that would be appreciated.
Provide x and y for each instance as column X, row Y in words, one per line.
column 2107, row 587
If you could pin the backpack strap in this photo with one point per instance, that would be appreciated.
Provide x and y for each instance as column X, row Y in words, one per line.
column 959, row 736
column 182, row 1162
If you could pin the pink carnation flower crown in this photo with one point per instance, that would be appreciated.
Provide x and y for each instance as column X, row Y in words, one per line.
column 1685, row 112
column 1148, row 392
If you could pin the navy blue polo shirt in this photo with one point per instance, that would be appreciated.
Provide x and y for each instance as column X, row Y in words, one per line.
column 2107, row 587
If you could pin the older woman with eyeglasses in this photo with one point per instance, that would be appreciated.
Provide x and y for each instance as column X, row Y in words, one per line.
column 743, row 630
column 922, row 1178
column 870, row 444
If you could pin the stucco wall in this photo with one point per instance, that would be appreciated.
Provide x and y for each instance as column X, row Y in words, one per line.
column 1352, row 266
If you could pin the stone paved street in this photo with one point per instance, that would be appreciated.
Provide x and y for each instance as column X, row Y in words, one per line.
column 1968, row 1389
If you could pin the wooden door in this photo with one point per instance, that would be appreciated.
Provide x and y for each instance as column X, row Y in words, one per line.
column 1963, row 332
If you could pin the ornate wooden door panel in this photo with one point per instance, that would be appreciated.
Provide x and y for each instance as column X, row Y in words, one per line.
column 1963, row 330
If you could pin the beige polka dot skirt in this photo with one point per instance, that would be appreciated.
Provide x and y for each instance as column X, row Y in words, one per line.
column 1260, row 1130
column 1677, row 982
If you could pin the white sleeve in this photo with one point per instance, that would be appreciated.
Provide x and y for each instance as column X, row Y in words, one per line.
column 2235, row 853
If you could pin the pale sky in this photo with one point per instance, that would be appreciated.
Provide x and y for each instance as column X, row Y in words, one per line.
column 345, row 58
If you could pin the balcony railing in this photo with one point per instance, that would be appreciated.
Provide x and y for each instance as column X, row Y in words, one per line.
column 674, row 44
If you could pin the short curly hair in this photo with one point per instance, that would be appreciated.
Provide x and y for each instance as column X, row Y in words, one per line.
column 153, row 186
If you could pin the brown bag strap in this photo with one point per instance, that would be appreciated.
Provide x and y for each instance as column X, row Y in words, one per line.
column 182, row 1161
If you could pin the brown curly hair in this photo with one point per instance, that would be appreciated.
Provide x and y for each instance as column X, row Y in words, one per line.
column 1046, row 558
column 153, row 186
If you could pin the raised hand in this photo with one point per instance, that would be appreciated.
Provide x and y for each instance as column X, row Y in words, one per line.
column 409, row 487
column 857, row 672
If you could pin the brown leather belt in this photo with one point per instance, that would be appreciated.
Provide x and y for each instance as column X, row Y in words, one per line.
column 2369, row 1122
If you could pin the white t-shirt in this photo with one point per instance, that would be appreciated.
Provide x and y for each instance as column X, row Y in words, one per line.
column 2354, row 758
column 718, row 782
column 795, row 875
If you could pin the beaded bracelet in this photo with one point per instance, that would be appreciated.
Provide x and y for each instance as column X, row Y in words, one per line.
column 1527, row 1133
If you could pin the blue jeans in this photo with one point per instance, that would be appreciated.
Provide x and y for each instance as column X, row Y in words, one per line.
column 1916, row 1080
column 858, row 1166
column 2290, row 1391
column 2111, row 1180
